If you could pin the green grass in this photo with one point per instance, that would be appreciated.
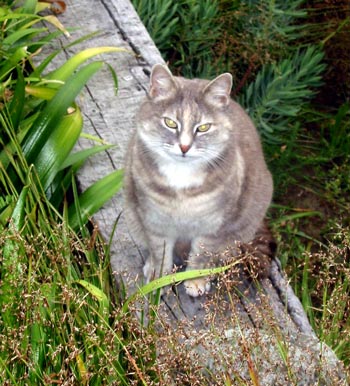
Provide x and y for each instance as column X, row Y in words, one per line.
column 59, row 320
column 312, row 224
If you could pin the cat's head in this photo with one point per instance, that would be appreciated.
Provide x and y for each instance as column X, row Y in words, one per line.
column 186, row 120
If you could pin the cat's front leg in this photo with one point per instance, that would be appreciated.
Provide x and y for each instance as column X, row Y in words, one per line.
column 199, row 258
column 160, row 260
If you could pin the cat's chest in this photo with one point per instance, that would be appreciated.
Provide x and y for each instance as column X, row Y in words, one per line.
column 181, row 175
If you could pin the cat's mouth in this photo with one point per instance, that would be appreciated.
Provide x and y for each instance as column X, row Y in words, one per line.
column 183, row 157
column 175, row 153
column 179, row 154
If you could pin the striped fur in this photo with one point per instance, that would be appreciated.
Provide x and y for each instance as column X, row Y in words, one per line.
column 203, row 189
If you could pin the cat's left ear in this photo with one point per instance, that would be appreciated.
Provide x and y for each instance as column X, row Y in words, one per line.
column 217, row 92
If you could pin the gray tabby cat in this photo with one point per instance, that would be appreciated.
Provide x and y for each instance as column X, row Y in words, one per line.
column 195, row 174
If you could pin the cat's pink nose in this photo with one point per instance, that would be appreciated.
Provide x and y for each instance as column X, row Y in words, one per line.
column 184, row 148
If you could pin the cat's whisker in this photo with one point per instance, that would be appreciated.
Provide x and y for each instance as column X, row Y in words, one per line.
column 214, row 159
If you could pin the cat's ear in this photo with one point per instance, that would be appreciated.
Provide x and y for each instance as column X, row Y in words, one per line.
column 162, row 85
column 217, row 92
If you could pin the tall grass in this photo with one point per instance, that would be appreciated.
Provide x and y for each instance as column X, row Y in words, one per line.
column 59, row 319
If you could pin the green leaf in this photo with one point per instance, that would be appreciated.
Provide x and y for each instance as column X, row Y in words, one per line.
column 41, row 92
column 48, row 59
column 55, row 110
column 29, row 6
column 11, row 268
column 94, row 291
column 93, row 198
column 101, row 297
column 57, row 147
column 11, row 63
column 29, row 33
column 18, row 214
column 17, row 103
column 59, row 186
column 66, row 70
column 80, row 157
column 55, row 22
column 176, row 278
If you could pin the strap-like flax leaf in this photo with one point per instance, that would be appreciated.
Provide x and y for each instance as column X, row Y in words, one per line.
column 55, row 110
column 57, row 147
column 93, row 198
column 25, row 33
column 11, row 63
column 80, row 157
column 66, row 70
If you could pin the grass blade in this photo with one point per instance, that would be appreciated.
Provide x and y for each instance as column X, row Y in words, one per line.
column 17, row 103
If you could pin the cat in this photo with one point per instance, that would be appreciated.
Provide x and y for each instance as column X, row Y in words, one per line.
column 195, row 174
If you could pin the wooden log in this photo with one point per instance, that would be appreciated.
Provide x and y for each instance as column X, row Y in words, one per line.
column 260, row 324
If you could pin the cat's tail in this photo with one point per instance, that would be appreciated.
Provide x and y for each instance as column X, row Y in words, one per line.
column 259, row 253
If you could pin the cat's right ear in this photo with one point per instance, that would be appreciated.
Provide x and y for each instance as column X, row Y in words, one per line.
column 162, row 85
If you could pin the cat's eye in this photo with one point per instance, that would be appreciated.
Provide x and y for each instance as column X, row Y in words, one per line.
column 170, row 123
column 203, row 128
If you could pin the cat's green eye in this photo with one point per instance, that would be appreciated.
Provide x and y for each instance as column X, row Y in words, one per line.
column 170, row 123
column 203, row 128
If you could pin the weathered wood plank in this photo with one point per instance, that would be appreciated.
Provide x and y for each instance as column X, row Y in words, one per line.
column 264, row 315
column 108, row 116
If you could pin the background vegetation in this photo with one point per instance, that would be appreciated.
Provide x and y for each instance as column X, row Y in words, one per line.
column 290, row 62
column 291, row 68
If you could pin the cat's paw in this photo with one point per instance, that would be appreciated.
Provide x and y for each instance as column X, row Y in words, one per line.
column 197, row 287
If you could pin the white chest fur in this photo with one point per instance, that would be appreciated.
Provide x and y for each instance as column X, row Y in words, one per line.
column 182, row 175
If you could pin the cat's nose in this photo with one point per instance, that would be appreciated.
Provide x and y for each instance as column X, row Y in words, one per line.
column 184, row 148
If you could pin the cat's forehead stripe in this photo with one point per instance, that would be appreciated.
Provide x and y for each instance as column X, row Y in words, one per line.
column 188, row 116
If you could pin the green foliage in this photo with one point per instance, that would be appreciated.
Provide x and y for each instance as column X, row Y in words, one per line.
column 161, row 20
column 280, row 91
column 184, row 31
column 203, row 38
column 40, row 122
column 200, row 30
column 335, row 133
column 59, row 321
column 260, row 32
